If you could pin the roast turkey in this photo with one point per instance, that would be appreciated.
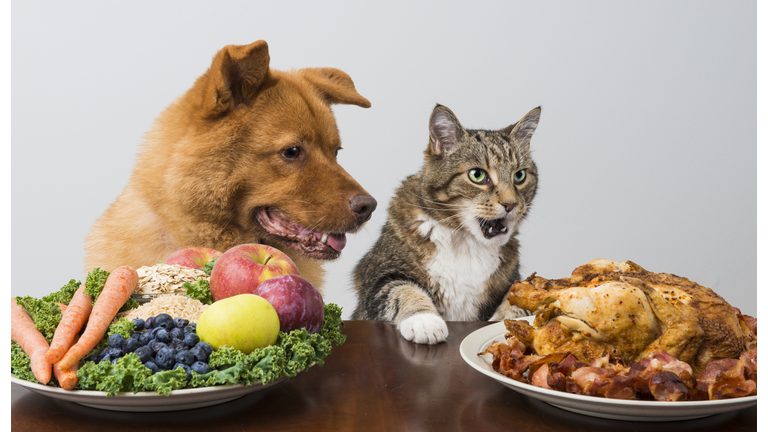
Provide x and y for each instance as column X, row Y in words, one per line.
column 621, row 308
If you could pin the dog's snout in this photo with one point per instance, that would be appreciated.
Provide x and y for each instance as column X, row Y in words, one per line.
column 363, row 205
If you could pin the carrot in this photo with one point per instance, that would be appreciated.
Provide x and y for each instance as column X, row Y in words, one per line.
column 67, row 378
column 117, row 289
column 24, row 333
column 62, row 307
column 74, row 317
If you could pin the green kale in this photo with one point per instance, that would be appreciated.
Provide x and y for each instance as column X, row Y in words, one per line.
column 65, row 294
column 45, row 311
column 94, row 282
column 20, row 364
column 45, row 314
column 126, row 374
column 209, row 266
column 199, row 290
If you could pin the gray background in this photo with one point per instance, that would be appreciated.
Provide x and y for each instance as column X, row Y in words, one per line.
column 646, row 147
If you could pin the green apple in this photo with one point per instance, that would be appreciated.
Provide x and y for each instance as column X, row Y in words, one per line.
column 244, row 322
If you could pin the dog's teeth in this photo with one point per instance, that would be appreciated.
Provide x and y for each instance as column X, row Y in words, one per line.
column 324, row 239
column 503, row 229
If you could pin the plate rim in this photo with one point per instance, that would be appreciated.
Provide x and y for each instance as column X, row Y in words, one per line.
column 476, row 342
column 149, row 401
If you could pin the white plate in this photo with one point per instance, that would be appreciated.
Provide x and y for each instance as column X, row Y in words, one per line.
column 148, row 401
column 616, row 409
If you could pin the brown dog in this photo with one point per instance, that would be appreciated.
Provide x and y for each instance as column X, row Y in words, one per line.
column 247, row 155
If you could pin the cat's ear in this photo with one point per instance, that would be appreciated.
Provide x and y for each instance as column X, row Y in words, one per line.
column 445, row 131
column 523, row 130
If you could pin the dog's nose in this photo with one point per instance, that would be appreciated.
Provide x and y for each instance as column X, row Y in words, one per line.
column 363, row 205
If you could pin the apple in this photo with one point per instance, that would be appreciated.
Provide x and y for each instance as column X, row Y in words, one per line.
column 244, row 322
column 242, row 268
column 194, row 257
column 297, row 302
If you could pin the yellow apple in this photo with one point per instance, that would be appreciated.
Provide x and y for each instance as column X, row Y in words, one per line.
column 244, row 322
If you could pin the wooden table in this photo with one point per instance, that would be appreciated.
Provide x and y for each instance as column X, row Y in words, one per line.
column 374, row 381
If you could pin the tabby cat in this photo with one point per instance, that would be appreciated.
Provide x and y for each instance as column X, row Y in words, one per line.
column 448, row 250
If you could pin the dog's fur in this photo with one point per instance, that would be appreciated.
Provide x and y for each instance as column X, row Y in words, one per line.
column 247, row 155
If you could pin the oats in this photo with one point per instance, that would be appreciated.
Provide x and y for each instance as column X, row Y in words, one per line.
column 177, row 306
column 164, row 278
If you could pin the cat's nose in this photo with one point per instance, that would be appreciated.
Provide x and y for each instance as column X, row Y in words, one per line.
column 508, row 206
column 363, row 205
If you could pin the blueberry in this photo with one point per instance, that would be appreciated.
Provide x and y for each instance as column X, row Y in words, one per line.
column 94, row 358
column 205, row 346
column 163, row 320
column 177, row 334
column 165, row 358
column 138, row 324
column 200, row 367
column 163, row 335
column 190, row 328
column 191, row 339
column 179, row 346
column 156, row 345
column 152, row 366
column 116, row 340
column 185, row 357
column 153, row 332
column 130, row 345
column 115, row 352
column 145, row 354
column 199, row 354
column 144, row 338
column 149, row 322
column 186, row 368
column 180, row 322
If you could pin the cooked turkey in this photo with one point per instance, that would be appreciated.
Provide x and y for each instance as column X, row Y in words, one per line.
column 628, row 311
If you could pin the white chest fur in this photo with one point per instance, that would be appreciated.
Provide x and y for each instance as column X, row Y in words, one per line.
column 461, row 266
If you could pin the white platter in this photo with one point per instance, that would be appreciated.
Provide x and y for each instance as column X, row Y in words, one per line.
column 148, row 401
column 645, row 411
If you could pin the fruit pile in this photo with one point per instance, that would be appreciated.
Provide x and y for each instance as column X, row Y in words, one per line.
column 161, row 343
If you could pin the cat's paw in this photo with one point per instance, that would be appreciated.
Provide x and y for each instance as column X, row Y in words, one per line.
column 424, row 328
column 507, row 311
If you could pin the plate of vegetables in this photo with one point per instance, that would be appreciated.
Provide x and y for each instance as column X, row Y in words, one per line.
column 72, row 345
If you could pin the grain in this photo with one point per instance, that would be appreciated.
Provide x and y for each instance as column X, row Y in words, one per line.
column 177, row 306
column 163, row 278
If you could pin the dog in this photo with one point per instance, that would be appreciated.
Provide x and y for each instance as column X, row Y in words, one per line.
column 246, row 155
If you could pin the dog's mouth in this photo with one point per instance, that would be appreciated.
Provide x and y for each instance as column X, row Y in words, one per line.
column 313, row 244
column 492, row 228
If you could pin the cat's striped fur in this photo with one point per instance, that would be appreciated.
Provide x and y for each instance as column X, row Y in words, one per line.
column 448, row 250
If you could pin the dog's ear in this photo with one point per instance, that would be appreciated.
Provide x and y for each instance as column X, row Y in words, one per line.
column 236, row 74
column 335, row 85
column 445, row 131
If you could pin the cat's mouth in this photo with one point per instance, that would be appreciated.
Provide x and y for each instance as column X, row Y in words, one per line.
column 492, row 228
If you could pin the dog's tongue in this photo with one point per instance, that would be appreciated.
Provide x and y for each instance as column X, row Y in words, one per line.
column 337, row 241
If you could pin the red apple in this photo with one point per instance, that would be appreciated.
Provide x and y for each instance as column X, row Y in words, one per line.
column 297, row 302
column 194, row 257
column 242, row 268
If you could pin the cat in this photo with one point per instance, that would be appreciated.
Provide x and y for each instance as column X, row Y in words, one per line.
column 448, row 250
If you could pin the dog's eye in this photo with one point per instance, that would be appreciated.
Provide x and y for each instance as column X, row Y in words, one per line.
column 292, row 152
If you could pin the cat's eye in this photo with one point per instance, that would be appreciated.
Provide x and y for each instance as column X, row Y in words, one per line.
column 476, row 175
column 519, row 177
